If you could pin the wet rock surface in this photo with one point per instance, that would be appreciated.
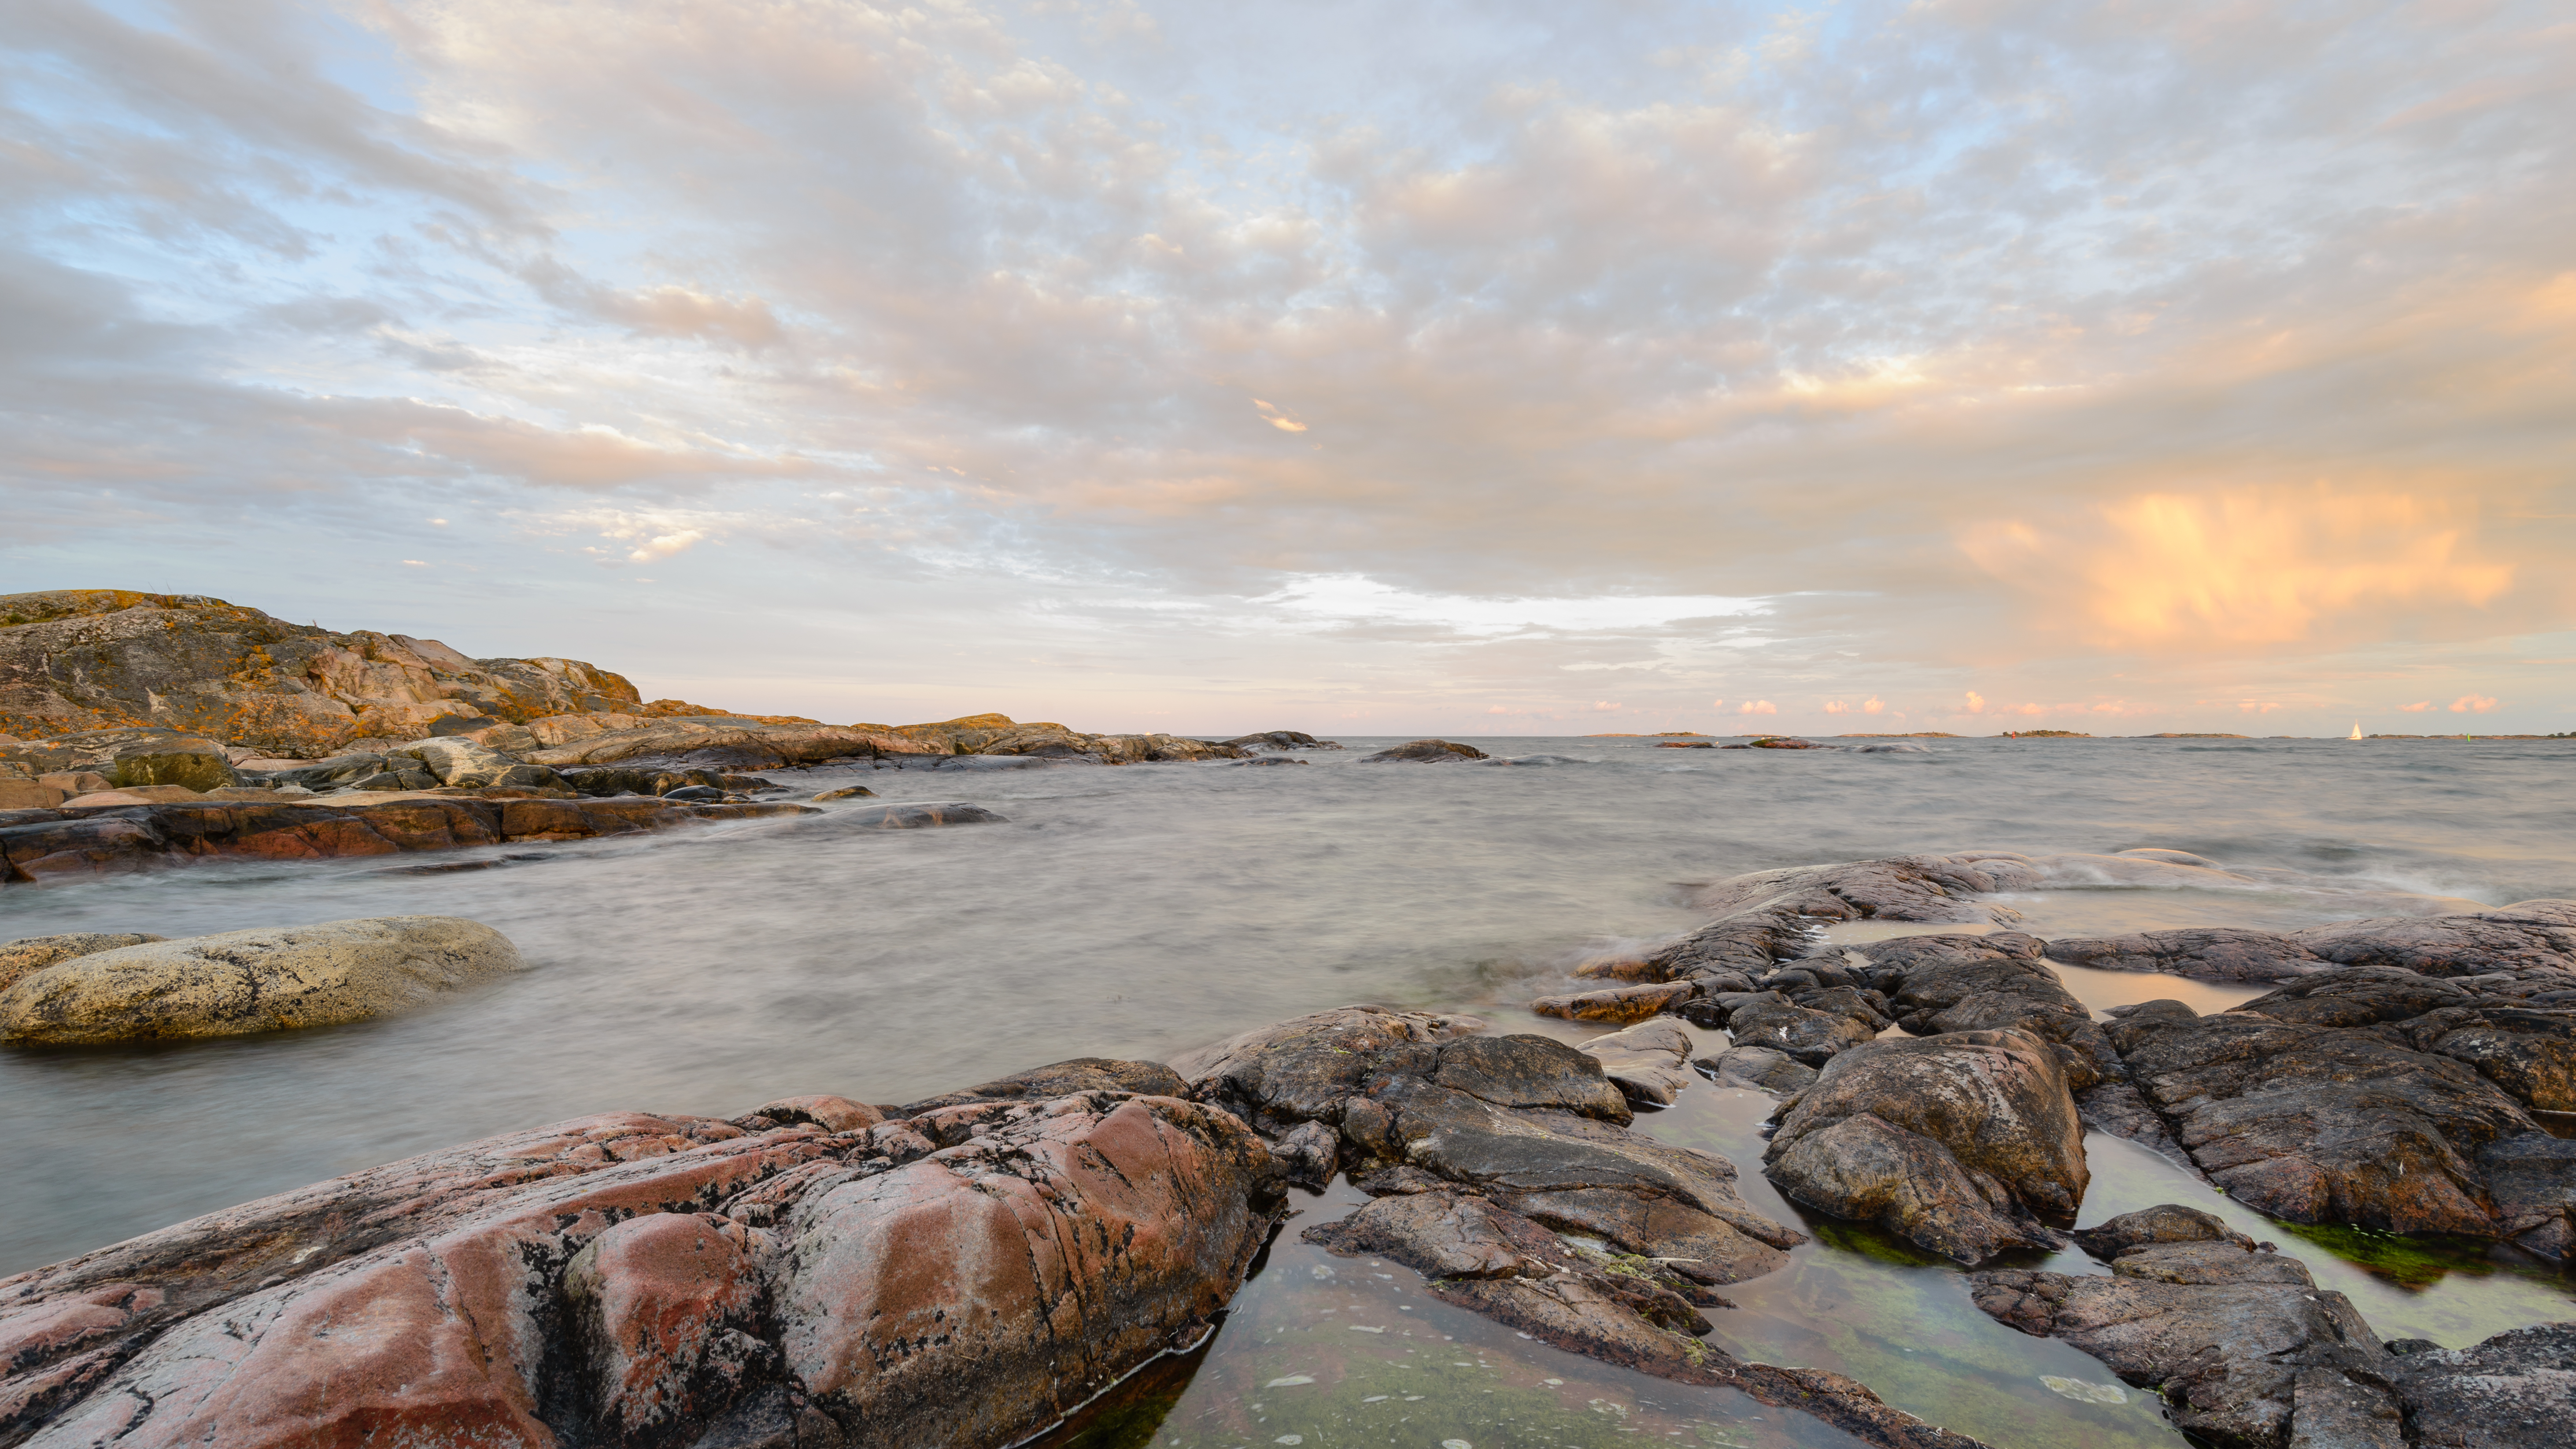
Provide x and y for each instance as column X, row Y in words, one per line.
column 1645, row 1062
column 2249, row 1354
column 967, row 1276
column 1623, row 1309
column 1940, row 984
column 1959, row 1144
column 241, row 982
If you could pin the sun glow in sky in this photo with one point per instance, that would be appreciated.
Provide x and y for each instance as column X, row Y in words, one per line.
column 1448, row 367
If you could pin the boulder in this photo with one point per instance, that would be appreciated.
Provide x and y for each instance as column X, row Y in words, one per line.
column 466, row 764
column 1957, row 1144
column 2248, row 1365
column 1270, row 740
column 1994, row 982
column 2529, row 935
column 34, row 953
column 2323, row 1124
column 1301, row 1070
column 846, row 792
column 1811, row 1037
column 239, row 982
column 1430, row 752
column 127, row 756
column 967, row 1278
column 908, row 817
column 1645, row 1062
column 1758, row 1069
column 2516, row 1390
column 1618, row 1004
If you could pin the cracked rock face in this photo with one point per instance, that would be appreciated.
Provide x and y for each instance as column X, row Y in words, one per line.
column 964, row 1277
column 1956, row 1143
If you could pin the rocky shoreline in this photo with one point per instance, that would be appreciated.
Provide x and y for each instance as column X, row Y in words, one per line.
column 972, row 1267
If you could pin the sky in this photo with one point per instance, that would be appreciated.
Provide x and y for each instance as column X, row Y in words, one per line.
column 1460, row 368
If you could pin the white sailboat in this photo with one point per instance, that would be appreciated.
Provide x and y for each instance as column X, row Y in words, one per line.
column 2356, row 731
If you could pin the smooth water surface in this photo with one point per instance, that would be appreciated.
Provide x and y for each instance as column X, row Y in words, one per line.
column 1145, row 910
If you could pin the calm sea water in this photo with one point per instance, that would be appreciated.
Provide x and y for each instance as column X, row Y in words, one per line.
column 1145, row 910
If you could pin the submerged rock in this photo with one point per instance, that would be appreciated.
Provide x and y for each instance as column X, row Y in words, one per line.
column 240, row 982
column 908, row 817
column 1956, row 1144
column 963, row 1278
column 1626, row 1310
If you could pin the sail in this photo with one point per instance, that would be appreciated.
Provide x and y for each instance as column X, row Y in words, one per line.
column 2356, row 731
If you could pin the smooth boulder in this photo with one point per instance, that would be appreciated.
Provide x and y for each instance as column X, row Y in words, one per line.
column 31, row 954
column 1957, row 1143
column 266, row 979
column 1430, row 752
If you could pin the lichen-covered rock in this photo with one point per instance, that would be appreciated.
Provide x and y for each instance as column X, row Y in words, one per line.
column 75, row 660
column 2516, row 1390
column 1957, row 1143
column 34, row 953
column 238, row 982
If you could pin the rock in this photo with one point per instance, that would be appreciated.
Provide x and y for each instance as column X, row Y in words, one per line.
column 832, row 1114
column 2156, row 1226
column 2246, row 1365
column 1281, row 740
column 847, row 792
column 1758, row 1069
column 1428, row 752
column 1811, row 1037
column 125, row 757
column 1645, row 1061
column 16, row 794
column 465, row 764
column 2318, row 1124
column 1939, row 984
column 665, row 1282
column 727, row 743
column 1625, row 1310
column 1902, row 888
column 2210, row 1263
column 908, row 817
column 239, row 982
column 2201, row 953
column 1533, row 1072
column 42, row 847
column 1619, row 1004
column 2529, row 935
column 1269, row 760
column 1956, row 1144
column 1301, row 1070
column 76, row 661
column 34, row 953
column 623, row 780
column 1782, row 742
column 1062, row 1079
column 2516, row 1390
column 1310, row 1153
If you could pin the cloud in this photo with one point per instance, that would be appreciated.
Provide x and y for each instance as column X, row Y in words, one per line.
column 1836, row 706
column 2473, row 704
column 1872, row 705
column 1974, row 703
column 1757, row 706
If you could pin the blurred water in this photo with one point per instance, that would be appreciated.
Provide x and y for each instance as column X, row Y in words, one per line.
column 1144, row 910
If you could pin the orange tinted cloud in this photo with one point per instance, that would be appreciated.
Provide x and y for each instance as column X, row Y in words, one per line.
column 2255, row 566
column 2473, row 704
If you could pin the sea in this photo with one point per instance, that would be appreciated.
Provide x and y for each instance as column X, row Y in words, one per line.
column 1140, row 911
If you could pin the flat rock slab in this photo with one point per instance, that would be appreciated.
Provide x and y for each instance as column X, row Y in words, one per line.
column 1956, row 1144
column 45, row 846
column 239, row 982
column 966, row 1277
column 1757, row 1069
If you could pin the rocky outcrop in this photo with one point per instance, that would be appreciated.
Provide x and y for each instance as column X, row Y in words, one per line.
column 70, row 844
column 240, row 982
column 2533, row 936
column 1000, row 736
column 1994, row 982
column 966, row 1276
column 125, row 757
column 1431, row 752
column 1623, row 1309
column 723, row 743
column 2249, row 1354
column 78, row 660
column 1530, row 1124
column 1958, row 1144
column 2313, row 1105
column 1280, row 740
